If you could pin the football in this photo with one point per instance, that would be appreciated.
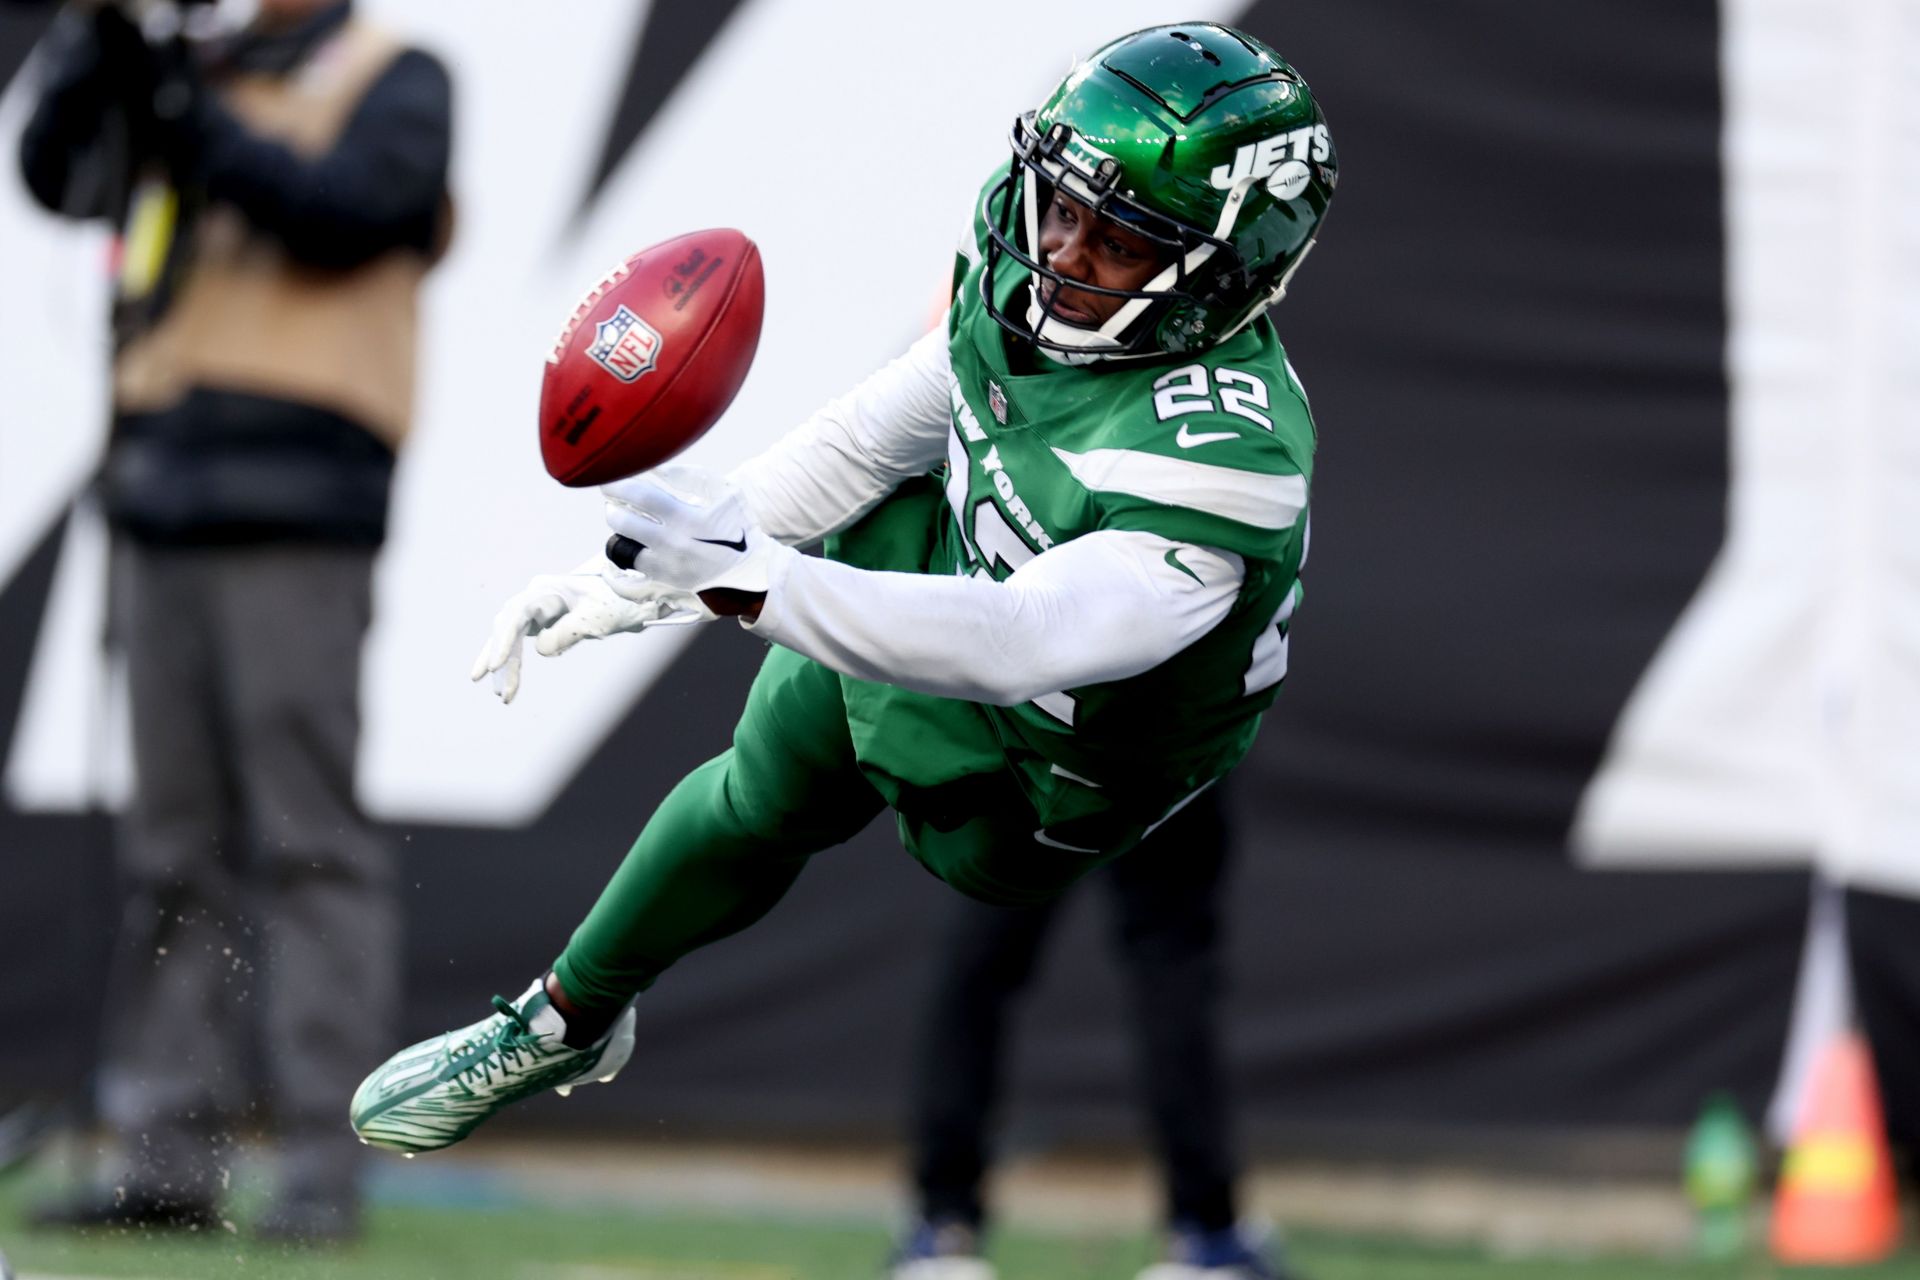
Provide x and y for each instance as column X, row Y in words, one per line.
column 651, row 357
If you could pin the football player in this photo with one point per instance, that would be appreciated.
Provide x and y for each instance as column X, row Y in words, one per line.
column 1063, row 537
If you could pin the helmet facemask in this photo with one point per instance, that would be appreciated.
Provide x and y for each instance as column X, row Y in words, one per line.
column 1165, row 314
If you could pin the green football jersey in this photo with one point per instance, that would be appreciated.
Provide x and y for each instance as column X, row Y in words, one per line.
column 1211, row 451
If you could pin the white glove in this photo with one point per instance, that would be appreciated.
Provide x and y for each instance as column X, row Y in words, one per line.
column 561, row 609
column 693, row 528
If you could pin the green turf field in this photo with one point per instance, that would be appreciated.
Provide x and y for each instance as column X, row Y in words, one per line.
column 517, row 1243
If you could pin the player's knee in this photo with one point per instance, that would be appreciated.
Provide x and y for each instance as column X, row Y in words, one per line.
column 792, row 812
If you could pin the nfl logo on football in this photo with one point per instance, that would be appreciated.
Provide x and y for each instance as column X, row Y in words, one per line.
column 625, row 345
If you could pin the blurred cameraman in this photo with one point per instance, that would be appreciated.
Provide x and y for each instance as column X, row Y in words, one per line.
column 280, row 194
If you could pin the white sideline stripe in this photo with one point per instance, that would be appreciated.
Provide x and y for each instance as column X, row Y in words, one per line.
column 1298, row 385
column 1263, row 501
column 1168, row 815
column 1046, row 839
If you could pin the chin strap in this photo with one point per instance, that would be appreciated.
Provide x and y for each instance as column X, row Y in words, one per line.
column 1090, row 346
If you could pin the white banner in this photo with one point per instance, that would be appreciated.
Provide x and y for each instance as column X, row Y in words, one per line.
column 1782, row 719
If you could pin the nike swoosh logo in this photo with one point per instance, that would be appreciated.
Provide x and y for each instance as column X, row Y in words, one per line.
column 738, row 544
column 1188, row 439
column 1173, row 558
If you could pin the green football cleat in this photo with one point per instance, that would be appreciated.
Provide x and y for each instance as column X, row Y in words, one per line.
column 435, row 1093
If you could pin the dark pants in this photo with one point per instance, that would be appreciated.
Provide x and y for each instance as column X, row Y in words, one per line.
column 1883, row 940
column 1166, row 931
column 255, row 896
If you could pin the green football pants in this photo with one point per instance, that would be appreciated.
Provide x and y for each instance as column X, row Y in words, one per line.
column 732, row 837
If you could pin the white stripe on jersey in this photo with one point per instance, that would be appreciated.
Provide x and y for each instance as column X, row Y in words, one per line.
column 1263, row 501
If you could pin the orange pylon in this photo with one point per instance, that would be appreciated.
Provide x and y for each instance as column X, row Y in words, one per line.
column 1836, row 1204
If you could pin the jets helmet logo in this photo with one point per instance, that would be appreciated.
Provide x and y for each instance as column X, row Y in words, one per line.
column 1281, row 160
column 625, row 345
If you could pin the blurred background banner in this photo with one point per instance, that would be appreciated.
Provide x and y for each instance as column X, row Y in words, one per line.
column 1612, row 621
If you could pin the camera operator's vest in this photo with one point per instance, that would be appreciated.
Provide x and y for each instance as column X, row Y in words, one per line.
column 247, row 318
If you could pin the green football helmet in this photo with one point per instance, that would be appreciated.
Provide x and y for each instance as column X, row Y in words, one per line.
column 1199, row 138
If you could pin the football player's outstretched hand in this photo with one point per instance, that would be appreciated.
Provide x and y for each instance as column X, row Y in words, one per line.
column 561, row 609
column 693, row 530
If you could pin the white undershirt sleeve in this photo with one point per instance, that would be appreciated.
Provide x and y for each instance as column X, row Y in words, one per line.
column 838, row 464
column 1105, row 606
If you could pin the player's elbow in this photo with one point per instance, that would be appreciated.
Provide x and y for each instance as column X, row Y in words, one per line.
column 1042, row 669
column 1013, row 671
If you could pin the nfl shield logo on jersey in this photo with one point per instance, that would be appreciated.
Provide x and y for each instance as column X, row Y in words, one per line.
column 997, row 401
column 625, row 345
